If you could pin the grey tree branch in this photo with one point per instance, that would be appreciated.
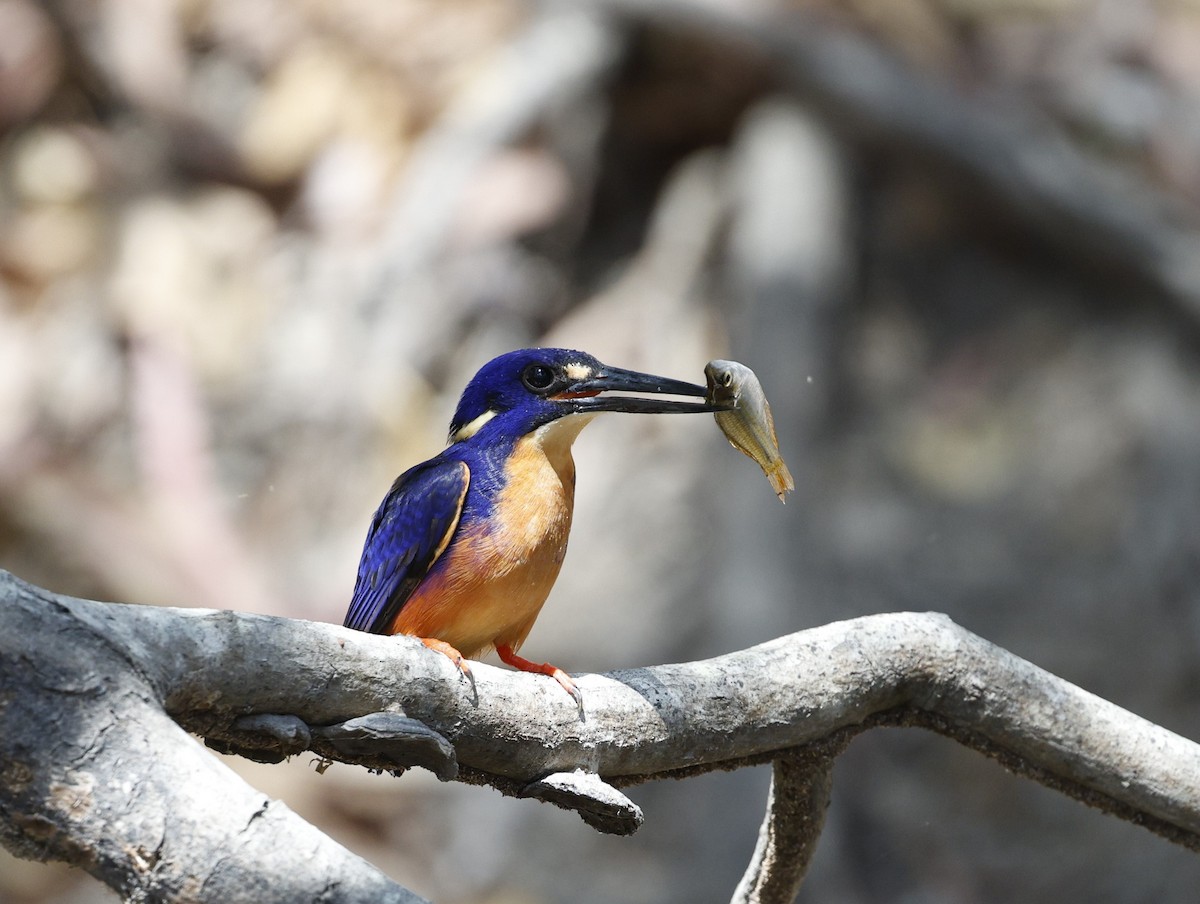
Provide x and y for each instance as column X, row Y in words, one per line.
column 93, row 771
column 96, row 773
column 801, row 786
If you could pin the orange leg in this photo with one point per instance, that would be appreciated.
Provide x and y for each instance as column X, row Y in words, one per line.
column 509, row 657
column 460, row 661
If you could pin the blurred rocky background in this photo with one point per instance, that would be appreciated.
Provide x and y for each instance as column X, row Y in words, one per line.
column 251, row 250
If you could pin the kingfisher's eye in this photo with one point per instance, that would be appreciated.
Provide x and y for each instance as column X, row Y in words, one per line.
column 537, row 377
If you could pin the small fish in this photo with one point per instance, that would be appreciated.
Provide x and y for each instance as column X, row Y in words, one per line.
column 748, row 425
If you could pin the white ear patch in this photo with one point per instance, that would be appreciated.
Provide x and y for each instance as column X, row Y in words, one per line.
column 469, row 429
column 576, row 371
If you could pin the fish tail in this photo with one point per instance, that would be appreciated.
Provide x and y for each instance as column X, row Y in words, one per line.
column 781, row 479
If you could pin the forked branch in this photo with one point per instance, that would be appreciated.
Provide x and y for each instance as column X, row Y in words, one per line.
column 98, row 772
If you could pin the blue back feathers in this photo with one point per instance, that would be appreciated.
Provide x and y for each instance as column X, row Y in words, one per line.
column 427, row 503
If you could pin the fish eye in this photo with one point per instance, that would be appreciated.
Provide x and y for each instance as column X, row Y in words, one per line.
column 537, row 377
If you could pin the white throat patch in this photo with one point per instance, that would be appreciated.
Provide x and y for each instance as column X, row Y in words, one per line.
column 555, row 438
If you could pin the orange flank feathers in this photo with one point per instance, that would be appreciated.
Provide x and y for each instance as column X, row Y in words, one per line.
column 497, row 574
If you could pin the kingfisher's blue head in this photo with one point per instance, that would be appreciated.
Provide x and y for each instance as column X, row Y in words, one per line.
column 521, row 391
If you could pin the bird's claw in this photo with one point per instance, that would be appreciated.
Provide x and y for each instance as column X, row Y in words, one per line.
column 460, row 661
column 509, row 657
column 567, row 685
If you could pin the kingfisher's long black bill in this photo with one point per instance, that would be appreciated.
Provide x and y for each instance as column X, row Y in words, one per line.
column 616, row 379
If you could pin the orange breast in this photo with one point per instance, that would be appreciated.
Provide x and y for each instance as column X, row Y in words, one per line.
column 496, row 576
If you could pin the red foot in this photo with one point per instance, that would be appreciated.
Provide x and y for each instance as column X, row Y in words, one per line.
column 508, row 657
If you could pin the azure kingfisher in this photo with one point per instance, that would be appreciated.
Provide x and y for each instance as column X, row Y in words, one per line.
column 465, row 547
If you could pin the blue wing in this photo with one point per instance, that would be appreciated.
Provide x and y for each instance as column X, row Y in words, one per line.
column 410, row 530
